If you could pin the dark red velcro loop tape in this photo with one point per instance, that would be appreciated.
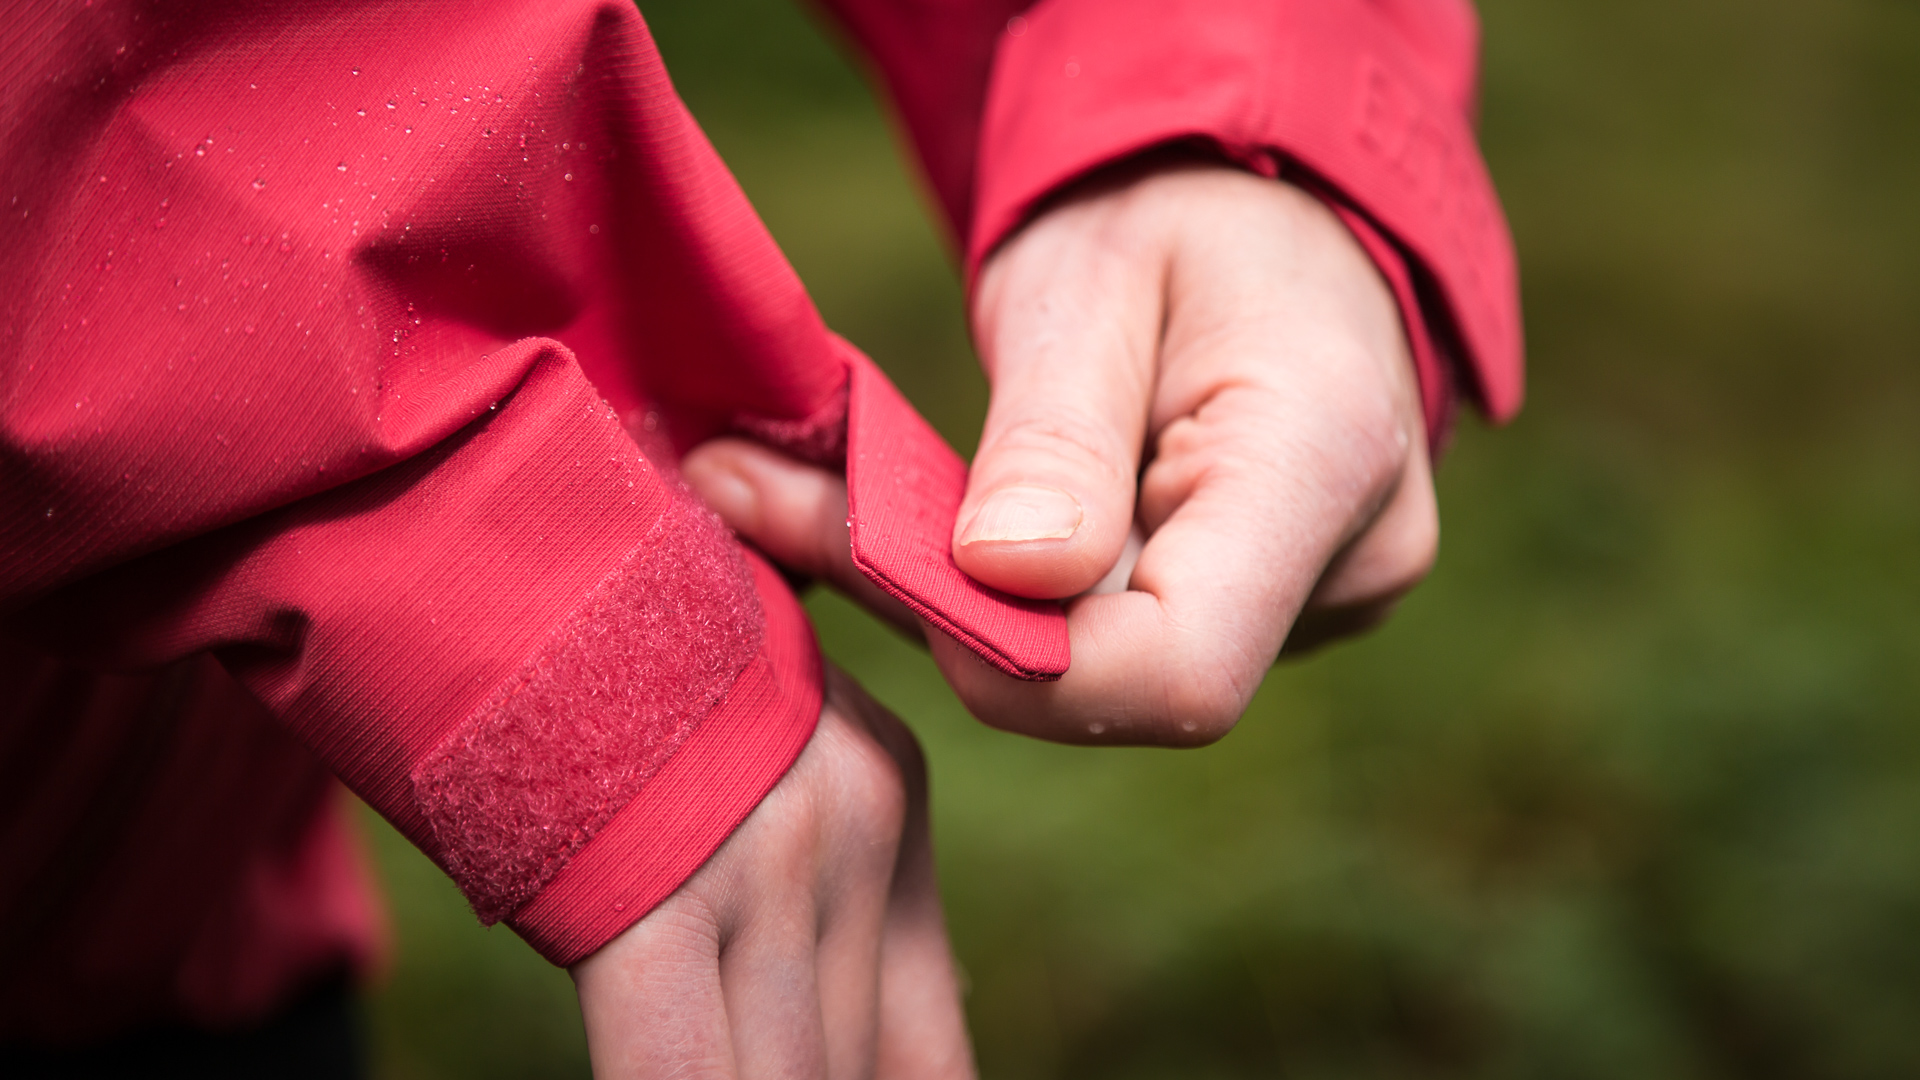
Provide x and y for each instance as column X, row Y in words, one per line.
column 904, row 486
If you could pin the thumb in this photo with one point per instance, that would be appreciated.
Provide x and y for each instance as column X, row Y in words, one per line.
column 1067, row 316
column 793, row 512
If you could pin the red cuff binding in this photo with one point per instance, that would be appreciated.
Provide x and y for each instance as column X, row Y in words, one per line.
column 689, row 808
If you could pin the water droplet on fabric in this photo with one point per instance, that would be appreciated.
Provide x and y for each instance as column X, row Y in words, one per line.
column 342, row 167
column 594, row 229
column 259, row 183
column 568, row 176
column 359, row 112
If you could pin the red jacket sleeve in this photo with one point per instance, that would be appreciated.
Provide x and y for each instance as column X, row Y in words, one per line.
column 356, row 344
column 332, row 337
column 1367, row 102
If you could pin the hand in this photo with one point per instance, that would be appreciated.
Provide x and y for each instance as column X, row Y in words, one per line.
column 810, row 944
column 1229, row 334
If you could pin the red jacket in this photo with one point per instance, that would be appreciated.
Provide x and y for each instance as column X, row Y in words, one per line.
column 353, row 345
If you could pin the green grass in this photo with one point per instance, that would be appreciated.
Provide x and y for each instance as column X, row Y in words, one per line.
column 1631, row 787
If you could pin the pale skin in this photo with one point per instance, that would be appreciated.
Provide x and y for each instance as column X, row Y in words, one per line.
column 811, row 944
column 1180, row 352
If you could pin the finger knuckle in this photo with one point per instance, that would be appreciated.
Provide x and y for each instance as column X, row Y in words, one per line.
column 1205, row 711
column 1064, row 436
column 1396, row 553
column 1183, row 435
column 884, row 796
column 1208, row 690
column 1420, row 547
column 870, row 788
column 909, row 759
column 688, row 923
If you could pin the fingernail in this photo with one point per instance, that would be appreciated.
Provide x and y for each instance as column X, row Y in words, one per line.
column 1024, row 512
column 728, row 493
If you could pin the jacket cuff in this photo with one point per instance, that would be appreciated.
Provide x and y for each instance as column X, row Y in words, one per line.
column 904, row 486
column 1339, row 91
column 512, row 642
column 686, row 809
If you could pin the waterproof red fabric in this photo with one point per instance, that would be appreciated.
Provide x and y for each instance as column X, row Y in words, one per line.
column 167, row 851
column 353, row 344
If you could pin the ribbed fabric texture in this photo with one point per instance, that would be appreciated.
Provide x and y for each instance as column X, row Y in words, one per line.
column 530, row 778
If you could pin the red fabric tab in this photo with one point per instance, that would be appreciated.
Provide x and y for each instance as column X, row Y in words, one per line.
column 904, row 486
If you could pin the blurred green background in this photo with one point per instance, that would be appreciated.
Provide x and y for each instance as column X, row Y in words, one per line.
column 1631, row 787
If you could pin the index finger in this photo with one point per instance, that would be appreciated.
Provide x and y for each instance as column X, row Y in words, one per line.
column 651, row 999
